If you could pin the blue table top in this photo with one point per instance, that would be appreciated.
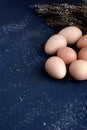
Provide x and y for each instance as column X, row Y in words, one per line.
column 29, row 98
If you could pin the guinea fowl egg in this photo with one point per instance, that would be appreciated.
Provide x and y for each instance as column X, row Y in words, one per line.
column 82, row 54
column 82, row 42
column 78, row 69
column 55, row 67
column 54, row 43
column 67, row 54
column 71, row 33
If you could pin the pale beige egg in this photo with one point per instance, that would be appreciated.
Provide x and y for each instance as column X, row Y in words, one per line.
column 54, row 43
column 82, row 54
column 78, row 69
column 55, row 67
column 67, row 54
column 82, row 42
column 71, row 33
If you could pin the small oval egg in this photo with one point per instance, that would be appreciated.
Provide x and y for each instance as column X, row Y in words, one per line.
column 67, row 54
column 72, row 34
column 82, row 42
column 54, row 43
column 78, row 69
column 55, row 67
column 82, row 54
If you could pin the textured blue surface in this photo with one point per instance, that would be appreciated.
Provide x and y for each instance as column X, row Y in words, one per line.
column 29, row 98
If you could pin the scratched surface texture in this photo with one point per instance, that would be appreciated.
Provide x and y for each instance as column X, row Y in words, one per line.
column 29, row 98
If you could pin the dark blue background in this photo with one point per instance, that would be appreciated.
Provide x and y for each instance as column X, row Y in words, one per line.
column 29, row 98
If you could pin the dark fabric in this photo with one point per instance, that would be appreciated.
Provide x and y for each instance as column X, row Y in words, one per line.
column 29, row 98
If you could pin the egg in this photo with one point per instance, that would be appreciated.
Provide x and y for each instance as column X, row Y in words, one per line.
column 82, row 54
column 55, row 67
column 67, row 54
column 78, row 69
column 71, row 33
column 54, row 43
column 82, row 42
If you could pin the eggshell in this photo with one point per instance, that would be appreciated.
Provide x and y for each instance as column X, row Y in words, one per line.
column 55, row 67
column 82, row 42
column 71, row 33
column 78, row 69
column 54, row 43
column 67, row 54
column 82, row 54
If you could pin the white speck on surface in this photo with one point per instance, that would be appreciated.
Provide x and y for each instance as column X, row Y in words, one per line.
column 44, row 123
column 21, row 99
column 5, row 90
column 18, row 70
column 6, row 50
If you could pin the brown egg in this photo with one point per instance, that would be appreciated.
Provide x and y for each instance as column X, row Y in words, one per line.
column 67, row 54
column 78, row 69
column 72, row 34
column 55, row 67
column 82, row 42
column 54, row 43
column 82, row 54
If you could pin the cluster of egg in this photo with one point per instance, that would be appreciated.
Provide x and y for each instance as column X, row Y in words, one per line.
column 63, row 56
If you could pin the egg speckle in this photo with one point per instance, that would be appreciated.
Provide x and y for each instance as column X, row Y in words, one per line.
column 55, row 67
column 71, row 33
column 67, row 54
column 54, row 43
column 82, row 42
column 82, row 54
column 78, row 69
